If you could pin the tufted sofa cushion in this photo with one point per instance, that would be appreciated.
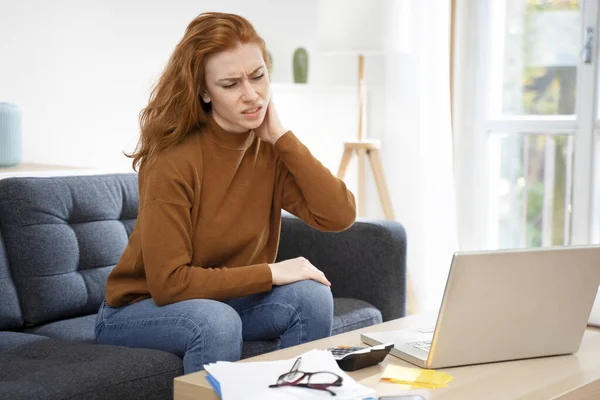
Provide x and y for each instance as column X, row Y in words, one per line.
column 63, row 236
column 10, row 312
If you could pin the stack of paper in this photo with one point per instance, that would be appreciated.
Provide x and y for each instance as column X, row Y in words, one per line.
column 416, row 377
column 251, row 380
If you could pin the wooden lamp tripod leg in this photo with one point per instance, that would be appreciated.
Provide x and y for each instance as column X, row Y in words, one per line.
column 384, row 195
column 362, row 181
column 343, row 168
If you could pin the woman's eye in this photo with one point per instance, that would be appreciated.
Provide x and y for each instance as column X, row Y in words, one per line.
column 254, row 78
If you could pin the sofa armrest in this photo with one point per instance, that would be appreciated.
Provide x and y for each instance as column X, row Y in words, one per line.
column 366, row 262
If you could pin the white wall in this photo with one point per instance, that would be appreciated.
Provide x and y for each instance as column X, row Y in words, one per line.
column 81, row 70
column 418, row 147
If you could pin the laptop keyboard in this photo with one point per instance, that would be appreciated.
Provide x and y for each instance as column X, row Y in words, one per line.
column 425, row 346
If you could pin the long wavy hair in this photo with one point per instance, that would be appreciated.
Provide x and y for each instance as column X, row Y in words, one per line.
column 176, row 107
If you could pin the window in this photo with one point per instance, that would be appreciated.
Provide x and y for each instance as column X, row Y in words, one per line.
column 535, row 123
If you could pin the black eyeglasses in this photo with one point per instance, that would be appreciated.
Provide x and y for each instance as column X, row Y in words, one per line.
column 321, row 380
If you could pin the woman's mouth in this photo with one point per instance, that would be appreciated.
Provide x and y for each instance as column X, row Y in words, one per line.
column 252, row 112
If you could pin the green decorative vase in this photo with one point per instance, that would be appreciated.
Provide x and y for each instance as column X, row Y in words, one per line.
column 300, row 65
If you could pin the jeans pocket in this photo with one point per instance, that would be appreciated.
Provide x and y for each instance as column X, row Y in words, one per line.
column 103, row 313
column 99, row 319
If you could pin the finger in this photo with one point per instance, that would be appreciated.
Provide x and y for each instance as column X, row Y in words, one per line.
column 320, row 277
column 312, row 270
column 309, row 263
column 318, row 271
column 312, row 267
column 270, row 106
column 321, row 280
column 324, row 277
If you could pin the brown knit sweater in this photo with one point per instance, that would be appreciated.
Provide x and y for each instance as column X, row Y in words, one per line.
column 210, row 216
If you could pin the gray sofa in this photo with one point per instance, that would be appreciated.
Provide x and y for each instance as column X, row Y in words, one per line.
column 59, row 239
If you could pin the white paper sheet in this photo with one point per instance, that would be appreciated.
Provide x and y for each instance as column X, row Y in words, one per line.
column 251, row 380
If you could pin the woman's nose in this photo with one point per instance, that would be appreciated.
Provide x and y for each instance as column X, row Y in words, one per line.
column 248, row 94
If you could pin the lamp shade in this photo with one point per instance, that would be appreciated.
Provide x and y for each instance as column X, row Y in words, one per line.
column 362, row 26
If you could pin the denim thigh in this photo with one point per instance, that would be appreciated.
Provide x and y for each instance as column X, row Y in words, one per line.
column 202, row 330
column 297, row 313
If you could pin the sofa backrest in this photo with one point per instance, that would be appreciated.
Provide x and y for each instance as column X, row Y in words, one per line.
column 10, row 311
column 63, row 236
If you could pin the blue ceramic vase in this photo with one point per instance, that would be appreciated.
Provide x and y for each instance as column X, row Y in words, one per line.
column 10, row 135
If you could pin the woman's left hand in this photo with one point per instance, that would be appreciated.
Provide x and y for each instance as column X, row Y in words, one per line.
column 271, row 129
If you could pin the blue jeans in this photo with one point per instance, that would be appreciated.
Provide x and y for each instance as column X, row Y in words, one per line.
column 204, row 331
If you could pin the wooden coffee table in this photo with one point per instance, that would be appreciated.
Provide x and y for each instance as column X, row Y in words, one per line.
column 571, row 377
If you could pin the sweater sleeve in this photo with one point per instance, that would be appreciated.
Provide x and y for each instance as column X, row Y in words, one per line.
column 310, row 190
column 166, row 241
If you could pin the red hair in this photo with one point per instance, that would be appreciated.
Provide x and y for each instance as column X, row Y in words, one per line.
column 176, row 106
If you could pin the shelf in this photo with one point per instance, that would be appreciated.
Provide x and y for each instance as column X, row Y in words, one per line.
column 40, row 170
column 308, row 87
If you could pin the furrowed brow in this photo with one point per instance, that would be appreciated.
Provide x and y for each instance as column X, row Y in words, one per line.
column 237, row 78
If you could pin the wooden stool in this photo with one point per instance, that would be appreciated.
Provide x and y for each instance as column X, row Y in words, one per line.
column 368, row 148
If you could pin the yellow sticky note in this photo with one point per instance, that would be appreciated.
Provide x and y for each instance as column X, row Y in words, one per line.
column 416, row 377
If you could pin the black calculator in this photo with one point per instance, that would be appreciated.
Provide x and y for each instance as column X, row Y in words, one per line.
column 350, row 358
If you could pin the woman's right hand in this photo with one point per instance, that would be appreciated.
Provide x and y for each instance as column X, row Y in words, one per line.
column 296, row 269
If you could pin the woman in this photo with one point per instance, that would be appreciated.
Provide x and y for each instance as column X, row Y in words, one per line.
column 216, row 167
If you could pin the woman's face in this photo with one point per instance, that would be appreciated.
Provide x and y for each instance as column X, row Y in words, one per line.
column 238, row 88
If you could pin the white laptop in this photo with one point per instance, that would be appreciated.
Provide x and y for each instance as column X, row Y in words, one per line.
column 595, row 315
column 505, row 305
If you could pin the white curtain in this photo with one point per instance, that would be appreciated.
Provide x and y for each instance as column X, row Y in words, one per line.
column 469, row 230
column 417, row 148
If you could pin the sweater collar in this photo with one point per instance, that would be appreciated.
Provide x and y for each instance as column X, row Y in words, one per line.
column 229, row 140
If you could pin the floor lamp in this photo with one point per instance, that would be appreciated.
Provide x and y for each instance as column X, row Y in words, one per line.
column 363, row 27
